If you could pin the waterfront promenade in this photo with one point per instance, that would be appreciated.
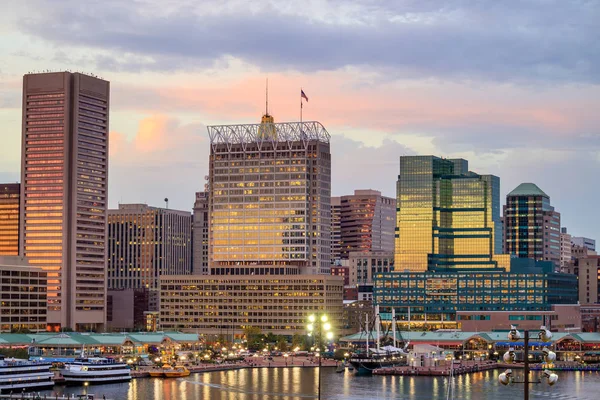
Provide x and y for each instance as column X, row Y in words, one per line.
column 249, row 362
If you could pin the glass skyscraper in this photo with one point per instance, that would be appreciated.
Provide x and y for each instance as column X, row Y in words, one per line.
column 448, row 218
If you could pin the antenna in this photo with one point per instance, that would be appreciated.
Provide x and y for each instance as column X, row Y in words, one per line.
column 267, row 98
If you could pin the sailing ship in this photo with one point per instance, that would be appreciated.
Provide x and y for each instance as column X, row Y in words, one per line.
column 379, row 357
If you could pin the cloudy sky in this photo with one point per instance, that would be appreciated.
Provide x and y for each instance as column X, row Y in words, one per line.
column 512, row 86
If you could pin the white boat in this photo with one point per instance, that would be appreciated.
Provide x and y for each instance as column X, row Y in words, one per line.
column 19, row 375
column 95, row 371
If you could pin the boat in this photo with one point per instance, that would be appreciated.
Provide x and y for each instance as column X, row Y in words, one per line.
column 380, row 357
column 159, row 372
column 340, row 368
column 178, row 371
column 22, row 375
column 94, row 371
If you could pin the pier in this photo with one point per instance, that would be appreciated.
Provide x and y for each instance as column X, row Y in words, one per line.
column 465, row 367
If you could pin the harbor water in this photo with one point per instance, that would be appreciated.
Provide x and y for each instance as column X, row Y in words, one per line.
column 301, row 383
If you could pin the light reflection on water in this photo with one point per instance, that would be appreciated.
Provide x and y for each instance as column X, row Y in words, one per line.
column 301, row 383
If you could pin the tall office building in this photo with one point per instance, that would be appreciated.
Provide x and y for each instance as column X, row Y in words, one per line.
column 532, row 226
column 9, row 219
column 64, row 187
column 367, row 221
column 269, row 199
column 447, row 218
column 146, row 242
column 200, row 235
column 581, row 241
column 336, row 229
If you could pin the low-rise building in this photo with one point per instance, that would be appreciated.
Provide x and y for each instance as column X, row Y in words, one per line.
column 23, row 296
column 125, row 309
column 226, row 305
column 560, row 318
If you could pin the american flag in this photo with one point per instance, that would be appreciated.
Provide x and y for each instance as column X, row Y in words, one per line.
column 302, row 95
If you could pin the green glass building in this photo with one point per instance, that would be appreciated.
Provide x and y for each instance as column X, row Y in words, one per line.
column 447, row 218
column 437, row 296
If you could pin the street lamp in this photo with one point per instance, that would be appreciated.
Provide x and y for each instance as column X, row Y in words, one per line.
column 319, row 326
column 514, row 335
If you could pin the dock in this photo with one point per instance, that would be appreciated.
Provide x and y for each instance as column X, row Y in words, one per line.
column 35, row 396
column 443, row 370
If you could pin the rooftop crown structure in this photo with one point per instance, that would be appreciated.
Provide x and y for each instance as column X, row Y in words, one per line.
column 270, row 198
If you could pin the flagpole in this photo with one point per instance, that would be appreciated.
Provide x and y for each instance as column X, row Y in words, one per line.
column 300, row 108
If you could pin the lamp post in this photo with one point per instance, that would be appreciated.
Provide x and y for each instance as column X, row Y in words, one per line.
column 319, row 325
column 509, row 357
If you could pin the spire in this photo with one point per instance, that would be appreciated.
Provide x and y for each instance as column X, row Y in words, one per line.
column 267, row 129
column 267, row 98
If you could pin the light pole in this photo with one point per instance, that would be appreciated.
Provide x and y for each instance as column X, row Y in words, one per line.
column 509, row 357
column 319, row 325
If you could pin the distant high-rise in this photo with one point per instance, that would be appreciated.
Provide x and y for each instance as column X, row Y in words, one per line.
column 532, row 226
column 565, row 248
column 9, row 219
column 336, row 229
column 367, row 221
column 269, row 199
column 581, row 241
column 64, row 184
column 146, row 242
column 447, row 218
column 200, row 235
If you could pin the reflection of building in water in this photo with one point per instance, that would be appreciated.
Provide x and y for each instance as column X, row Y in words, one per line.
column 269, row 199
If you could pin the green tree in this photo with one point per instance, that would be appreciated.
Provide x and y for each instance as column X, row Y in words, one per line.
column 254, row 338
column 299, row 341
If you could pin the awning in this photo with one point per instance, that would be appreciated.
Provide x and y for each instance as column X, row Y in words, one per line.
column 511, row 344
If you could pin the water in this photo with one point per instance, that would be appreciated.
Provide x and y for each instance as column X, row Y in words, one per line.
column 301, row 383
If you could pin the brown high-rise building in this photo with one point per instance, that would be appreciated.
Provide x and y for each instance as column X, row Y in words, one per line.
column 367, row 221
column 9, row 219
column 64, row 193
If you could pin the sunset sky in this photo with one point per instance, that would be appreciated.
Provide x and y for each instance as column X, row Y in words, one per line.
column 512, row 86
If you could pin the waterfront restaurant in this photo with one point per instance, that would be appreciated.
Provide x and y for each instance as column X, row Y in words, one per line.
column 584, row 347
column 55, row 346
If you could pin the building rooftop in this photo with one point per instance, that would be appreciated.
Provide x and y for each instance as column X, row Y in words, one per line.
column 528, row 189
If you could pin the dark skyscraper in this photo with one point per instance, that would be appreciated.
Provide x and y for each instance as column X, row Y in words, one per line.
column 532, row 226
column 9, row 219
column 200, row 235
column 64, row 193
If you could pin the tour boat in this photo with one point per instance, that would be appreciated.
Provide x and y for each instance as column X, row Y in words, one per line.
column 178, row 371
column 19, row 375
column 95, row 370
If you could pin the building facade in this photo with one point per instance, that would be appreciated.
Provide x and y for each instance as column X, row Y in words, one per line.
column 566, row 246
column 145, row 243
column 23, row 305
column 581, row 241
column 447, row 217
column 336, row 229
column 9, row 218
column 269, row 199
column 435, row 297
column 587, row 269
column 126, row 309
column 532, row 226
column 559, row 318
column 226, row 305
column 64, row 186
column 367, row 222
column 200, row 235
column 365, row 265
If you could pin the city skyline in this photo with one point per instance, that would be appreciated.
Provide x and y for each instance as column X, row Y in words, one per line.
column 522, row 113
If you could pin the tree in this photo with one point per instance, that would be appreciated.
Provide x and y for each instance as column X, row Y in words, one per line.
column 254, row 338
column 298, row 341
